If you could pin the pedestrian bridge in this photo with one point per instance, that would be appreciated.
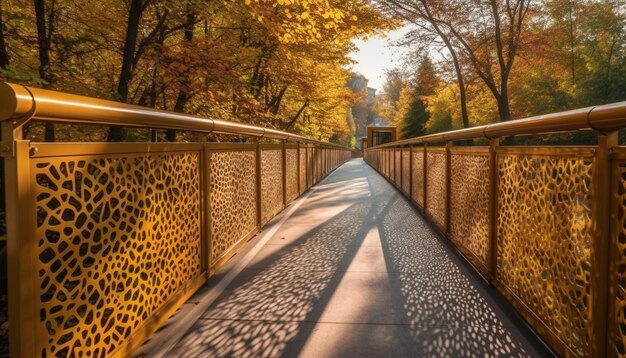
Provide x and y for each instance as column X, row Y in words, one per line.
column 285, row 246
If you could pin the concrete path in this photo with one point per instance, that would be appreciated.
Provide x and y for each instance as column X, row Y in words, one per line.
column 355, row 271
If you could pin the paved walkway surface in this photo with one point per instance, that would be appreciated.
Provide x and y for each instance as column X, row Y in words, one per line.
column 355, row 271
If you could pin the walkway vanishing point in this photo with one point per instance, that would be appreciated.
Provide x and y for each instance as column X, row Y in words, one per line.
column 348, row 270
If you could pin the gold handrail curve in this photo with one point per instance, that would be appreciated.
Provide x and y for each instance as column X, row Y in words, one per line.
column 22, row 104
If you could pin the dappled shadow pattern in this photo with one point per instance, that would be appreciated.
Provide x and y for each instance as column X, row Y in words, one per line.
column 448, row 315
column 263, row 312
column 283, row 306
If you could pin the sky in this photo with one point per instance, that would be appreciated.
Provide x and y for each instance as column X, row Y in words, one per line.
column 376, row 56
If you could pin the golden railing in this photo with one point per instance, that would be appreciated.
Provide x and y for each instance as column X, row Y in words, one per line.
column 545, row 225
column 106, row 240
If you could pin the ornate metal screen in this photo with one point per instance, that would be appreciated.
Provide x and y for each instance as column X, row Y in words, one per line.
column 271, row 183
column 109, row 223
column 545, row 225
column 291, row 173
column 107, row 240
column 302, row 170
column 417, row 171
column 122, row 234
column 469, row 203
column 232, row 198
column 406, row 171
column 397, row 173
column 436, row 192
column 544, row 238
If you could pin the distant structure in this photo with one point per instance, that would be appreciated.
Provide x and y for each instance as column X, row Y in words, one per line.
column 363, row 112
column 378, row 135
column 370, row 97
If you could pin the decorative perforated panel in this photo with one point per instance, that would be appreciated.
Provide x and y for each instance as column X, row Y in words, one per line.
column 397, row 176
column 271, row 184
column 469, row 205
column 292, row 174
column 418, row 176
column 436, row 188
column 385, row 157
column 117, row 237
column 619, row 267
column 232, row 199
column 544, row 241
column 406, row 170
column 318, row 164
column 310, row 167
column 302, row 177
column 392, row 164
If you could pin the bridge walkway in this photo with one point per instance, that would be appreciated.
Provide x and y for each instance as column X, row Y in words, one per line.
column 350, row 269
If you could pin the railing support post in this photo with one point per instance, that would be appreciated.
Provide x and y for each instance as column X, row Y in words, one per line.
column 394, row 172
column 448, row 187
column 259, row 214
column 411, row 172
column 20, row 246
column 425, row 177
column 298, row 168
column 308, row 166
column 400, row 180
column 601, row 223
column 283, row 153
column 492, row 211
column 207, row 241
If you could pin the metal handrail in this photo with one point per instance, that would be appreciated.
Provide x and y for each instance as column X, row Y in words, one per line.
column 604, row 118
column 22, row 104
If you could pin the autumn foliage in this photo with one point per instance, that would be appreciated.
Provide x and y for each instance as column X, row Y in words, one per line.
column 500, row 60
column 282, row 64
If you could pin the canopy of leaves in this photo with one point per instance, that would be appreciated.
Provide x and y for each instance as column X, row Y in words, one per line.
column 567, row 54
column 278, row 63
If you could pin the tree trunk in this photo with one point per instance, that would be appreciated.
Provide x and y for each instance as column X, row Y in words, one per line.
column 457, row 67
column 4, row 55
column 43, row 42
column 572, row 52
column 274, row 105
column 183, row 94
column 116, row 134
column 504, row 110
column 461, row 82
column 295, row 118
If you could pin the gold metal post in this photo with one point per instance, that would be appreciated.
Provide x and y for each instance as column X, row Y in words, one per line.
column 493, row 210
column 20, row 245
column 448, row 187
column 601, row 244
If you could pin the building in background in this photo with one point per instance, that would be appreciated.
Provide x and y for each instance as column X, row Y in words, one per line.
column 378, row 135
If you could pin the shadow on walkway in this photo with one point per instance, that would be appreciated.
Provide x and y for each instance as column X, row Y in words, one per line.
column 355, row 271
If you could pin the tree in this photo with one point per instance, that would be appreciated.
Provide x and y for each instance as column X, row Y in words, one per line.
column 388, row 100
column 277, row 64
column 429, row 29
column 44, row 37
column 486, row 33
column 416, row 116
column 4, row 55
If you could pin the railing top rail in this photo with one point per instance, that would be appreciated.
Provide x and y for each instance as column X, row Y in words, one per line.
column 22, row 104
column 604, row 118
